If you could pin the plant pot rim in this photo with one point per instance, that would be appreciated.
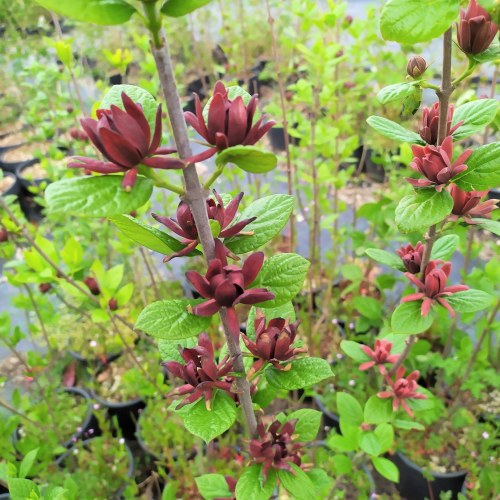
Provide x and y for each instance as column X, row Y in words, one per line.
column 14, row 189
column 29, row 182
column 436, row 475
column 324, row 409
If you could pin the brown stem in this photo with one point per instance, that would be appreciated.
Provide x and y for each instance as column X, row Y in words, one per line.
column 409, row 342
column 281, row 89
column 150, row 272
column 195, row 196
column 446, row 87
column 11, row 409
column 39, row 316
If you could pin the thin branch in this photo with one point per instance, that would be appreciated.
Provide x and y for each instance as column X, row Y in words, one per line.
column 150, row 272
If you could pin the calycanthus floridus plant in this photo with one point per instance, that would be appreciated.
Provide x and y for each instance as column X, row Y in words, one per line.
column 214, row 393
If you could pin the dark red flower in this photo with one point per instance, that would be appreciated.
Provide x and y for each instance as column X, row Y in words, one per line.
column 402, row 389
column 44, row 287
column 92, row 285
column 275, row 447
column 434, row 288
column 273, row 343
column 430, row 124
column 476, row 30
column 113, row 304
column 412, row 256
column 229, row 123
column 466, row 204
column 380, row 356
column 416, row 66
column 435, row 163
column 200, row 373
column 185, row 227
column 227, row 285
column 124, row 138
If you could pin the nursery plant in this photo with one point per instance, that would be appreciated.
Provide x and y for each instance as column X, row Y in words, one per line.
column 221, row 366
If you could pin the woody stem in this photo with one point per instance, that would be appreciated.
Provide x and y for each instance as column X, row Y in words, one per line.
column 196, row 198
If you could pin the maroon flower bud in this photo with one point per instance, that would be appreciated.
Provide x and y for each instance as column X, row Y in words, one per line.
column 416, row 66
column 200, row 372
column 70, row 108
column 230, row 122
column 412, row 256
column 273, row 343
column 433, row 287
column 92, row 285
column 78, row 135
column 185, row 227
column 227, row 285
column 349, row 85
column 476, row 30
column 4, row 235
column 124, row 139
column 113, row 304
column 44, row 287
column 380, row 356
column 340, row 53
column 466, row 204
column 434, row 163
column 348, row 20
column 275, row 447
column 402, row 389
column 430, row 123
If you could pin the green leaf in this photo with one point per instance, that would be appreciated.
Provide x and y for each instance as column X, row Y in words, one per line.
column 469, row 301
column 213, row 486
column 178, row 8
column 252, row 486
column 393, row 130
column 490, row 225
column 248, row 158
column 146, row 235
column 377, row 411
column 368, row 307
column 353, row 350
column 138, row 95
column 169, row 319
column 349, row 409
column 369, row 443
column 96, row 196
column 423, row 208
column 272, row 214
column 208, row 424
column 415, row 21
column 408, row 425
column 492, row 53
column 22, row 489
column 297, row 483
column 285, row 311
column 284, row 275
column 169, row 349
column 444, row 247
column 386, row 468
column 342, row 464
column 476, row 115
column 27, row 463
column 407, row 318
column 482, row 169
column 396, row 92
column 105, row 12
column 385, row 436
column 387, row 258
column 304, row 373
column 308, row 422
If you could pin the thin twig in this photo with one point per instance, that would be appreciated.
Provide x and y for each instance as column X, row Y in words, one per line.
column 150, row 272
column 39, row 316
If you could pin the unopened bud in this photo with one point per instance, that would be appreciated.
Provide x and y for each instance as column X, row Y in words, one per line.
column 4, row 235
column 113, row 304
column 92, row 285
column 44, row 287
column 416, row 66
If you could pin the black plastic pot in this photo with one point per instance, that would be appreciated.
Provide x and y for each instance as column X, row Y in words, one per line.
column 116, row 79
column 494, row 194
column 130, row 472
column 85, row 361
column 15, row 188
column 372, row 170
column 27, row 183
column 89, row 426
column 414, row 486
column 277, row 137
column 125, row 414
column 4, row 496
column 13, row 166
